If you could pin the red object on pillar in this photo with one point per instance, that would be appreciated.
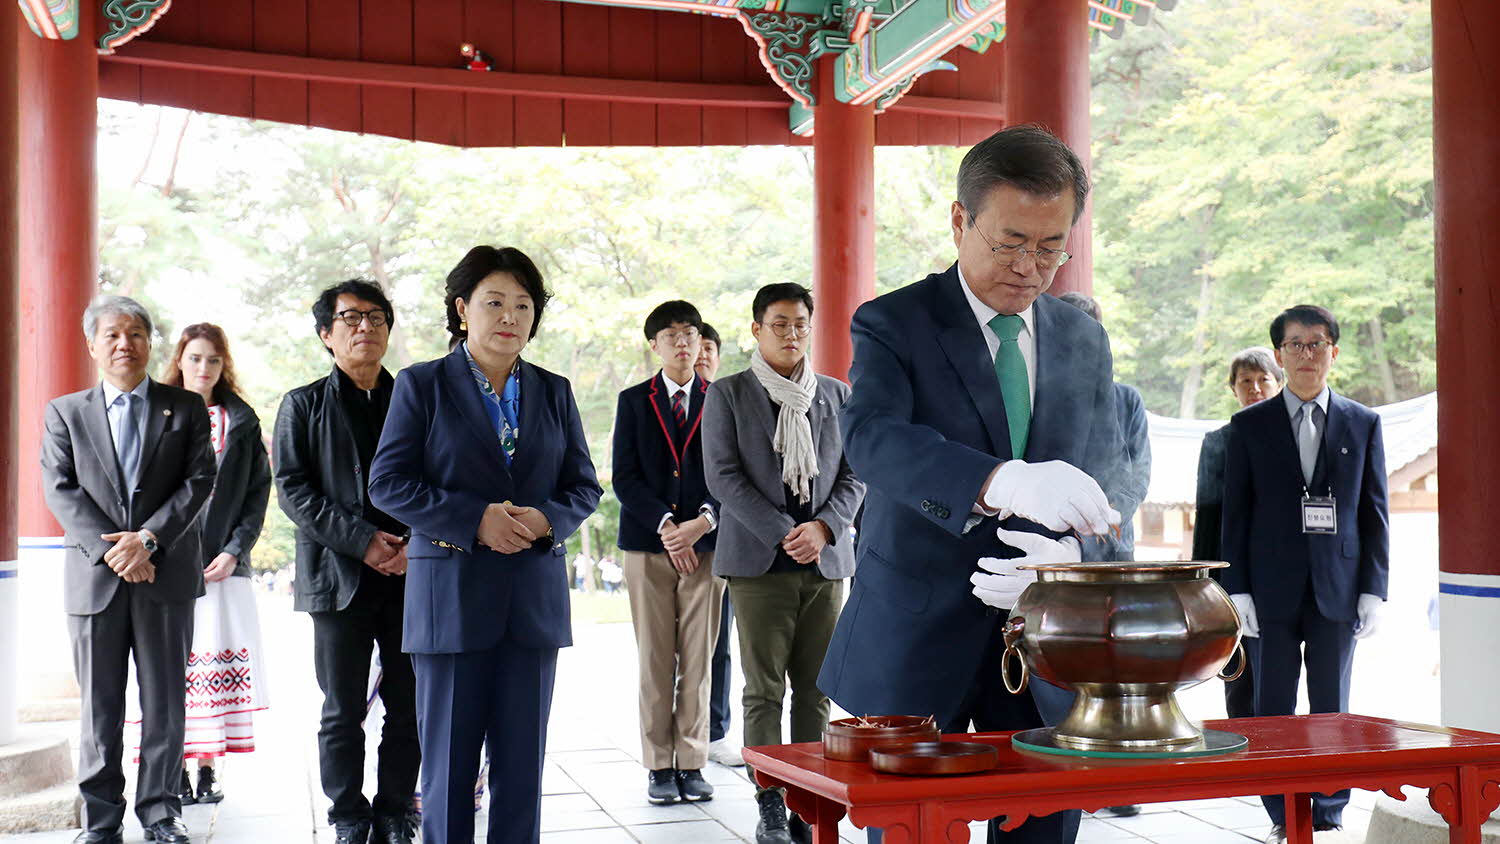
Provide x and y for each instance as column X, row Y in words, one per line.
column 1047, row 82
column 843, row 224
column 1466, row 149
column 59, row 90
column 10, row 277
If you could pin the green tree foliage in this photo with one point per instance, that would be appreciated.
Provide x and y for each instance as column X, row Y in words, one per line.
column 1249, row 156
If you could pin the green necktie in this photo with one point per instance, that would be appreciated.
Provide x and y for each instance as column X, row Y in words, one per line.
column 1010, row 369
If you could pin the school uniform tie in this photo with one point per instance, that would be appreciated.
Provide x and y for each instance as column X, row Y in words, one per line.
column 679, row 410
column 1307, row 439
column 128, row 445
column 1015, row 387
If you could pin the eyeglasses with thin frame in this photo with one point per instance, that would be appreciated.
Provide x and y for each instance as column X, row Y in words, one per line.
column 789, row 329
column 1046, row 259
column 353, row 317
column 1297, row 347
column 672, row 338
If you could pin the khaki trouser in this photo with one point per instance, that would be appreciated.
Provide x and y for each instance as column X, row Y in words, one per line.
column 785, row 621
column 676, row 620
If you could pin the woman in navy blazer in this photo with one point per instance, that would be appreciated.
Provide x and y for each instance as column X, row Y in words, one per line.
column 483, row 455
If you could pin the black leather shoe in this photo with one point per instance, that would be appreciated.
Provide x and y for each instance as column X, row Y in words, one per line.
column 661, row 787
column 1123, row 811
column 1327, row 827
column 694, row 788
column 208, row 786
column 799, row 830
column 168, row 831
column 87, row 837
column 185, row 790
column 394, row 829
column 772, row 827
column 351, row 832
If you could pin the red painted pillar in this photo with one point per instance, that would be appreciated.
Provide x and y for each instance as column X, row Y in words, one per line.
column 844, row 222
column 1466, row 147
column 10, row 268
column 1047, row 82
column 58, row 238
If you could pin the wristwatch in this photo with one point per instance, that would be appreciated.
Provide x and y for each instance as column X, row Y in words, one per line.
column 147, row 542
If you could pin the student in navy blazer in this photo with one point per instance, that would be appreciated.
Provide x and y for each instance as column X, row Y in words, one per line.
column 928, row 427
column 1305, row 597
column 667, row 531
column 483, row 455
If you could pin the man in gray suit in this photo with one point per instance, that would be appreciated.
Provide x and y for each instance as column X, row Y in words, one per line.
column 773, row 457
column 126, row 466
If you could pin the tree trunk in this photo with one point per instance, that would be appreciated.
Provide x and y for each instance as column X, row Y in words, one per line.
column 398, row 347
column 1383, row 362
column 1187, row 405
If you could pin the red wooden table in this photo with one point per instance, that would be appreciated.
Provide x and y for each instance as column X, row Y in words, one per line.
column 1294, row 755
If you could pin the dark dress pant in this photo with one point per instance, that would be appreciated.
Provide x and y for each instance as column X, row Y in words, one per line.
column 158, row 634
column 1326, row 647
column 504, row 695
column 989, row 707
column 343, row 642
column 1239, row 693
column 719, row 666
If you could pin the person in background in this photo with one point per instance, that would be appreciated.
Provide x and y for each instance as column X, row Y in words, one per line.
column 721, row 748
column 1306, row 534
column 351, row 564
column 667, row 533
column 126, row 466
column 1254, row 376
column 226, row 668
column 484, row 455
column 774, row 459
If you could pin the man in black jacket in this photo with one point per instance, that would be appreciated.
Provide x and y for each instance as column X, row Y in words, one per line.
column 351, row 564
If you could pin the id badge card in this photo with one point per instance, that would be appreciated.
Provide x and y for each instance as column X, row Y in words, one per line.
column 1319, row 514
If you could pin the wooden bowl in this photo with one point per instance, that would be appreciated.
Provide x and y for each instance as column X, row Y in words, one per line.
column 926, row 759
column 849, row 740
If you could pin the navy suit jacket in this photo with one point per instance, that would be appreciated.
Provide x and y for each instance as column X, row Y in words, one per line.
column 1269, row 556
column 924, row 427
column 658, row 470
column 439, row 465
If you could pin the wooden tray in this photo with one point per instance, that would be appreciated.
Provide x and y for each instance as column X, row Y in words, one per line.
column 852, row 739
column 935, row 758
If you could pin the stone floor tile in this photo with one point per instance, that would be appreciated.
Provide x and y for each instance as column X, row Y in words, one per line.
column 615, row 835
column 646, row 814
column 1090, row 830
column 688, row 832
column 589, row 819
column 1162, row 823
column 1234, row 815
column 1218, row 836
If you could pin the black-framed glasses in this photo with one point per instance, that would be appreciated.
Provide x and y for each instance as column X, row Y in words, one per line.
column 789, row 329
column 353, row 317
column 1047, row 259
column 1297, row 347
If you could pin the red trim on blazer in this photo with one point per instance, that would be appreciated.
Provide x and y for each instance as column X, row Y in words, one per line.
column 661, row 421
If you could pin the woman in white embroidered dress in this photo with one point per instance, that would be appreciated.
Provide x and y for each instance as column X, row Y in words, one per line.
column 226, row 670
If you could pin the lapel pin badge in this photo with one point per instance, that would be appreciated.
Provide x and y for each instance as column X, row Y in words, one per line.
column 167, row 412
column 1343, row 451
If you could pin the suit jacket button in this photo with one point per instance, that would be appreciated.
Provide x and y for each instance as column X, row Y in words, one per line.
column 926, row 506
column 991, row 610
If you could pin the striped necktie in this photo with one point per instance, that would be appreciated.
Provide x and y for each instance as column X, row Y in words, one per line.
column 1015, row 386
column 679, row 409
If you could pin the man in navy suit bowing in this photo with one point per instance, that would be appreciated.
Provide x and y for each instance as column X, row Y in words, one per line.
column 1306, row 533
column 983, row 420
column 667, row 521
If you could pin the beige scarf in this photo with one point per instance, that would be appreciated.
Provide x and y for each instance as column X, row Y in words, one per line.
column 793, row 439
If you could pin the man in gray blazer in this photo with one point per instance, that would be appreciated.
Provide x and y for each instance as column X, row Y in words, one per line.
column 773, row 457
column 126, row 466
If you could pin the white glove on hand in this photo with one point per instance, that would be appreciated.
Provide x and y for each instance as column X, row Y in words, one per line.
column 1054, row 494
column 1003, row 587
column 1245, row 606
column 1369, row 610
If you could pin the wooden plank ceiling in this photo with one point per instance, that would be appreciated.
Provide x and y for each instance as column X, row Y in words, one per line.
column 566, row 74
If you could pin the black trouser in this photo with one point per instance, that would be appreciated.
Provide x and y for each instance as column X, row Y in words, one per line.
column 718, row 696
column 1239, row 693
column 342, row 644
column 158, row 634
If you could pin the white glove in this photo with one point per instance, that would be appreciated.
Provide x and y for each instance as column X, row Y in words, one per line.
column 1245, row 606
column 1370, row 607
column 1054, row 494
column 1003, row 587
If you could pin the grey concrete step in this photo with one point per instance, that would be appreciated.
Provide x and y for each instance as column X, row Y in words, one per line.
column 1412, row 821
column 39, row 759
column 40, row 811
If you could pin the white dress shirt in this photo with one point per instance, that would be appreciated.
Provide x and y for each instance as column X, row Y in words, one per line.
column 116, row 413
column 673, row 388
column 1026, row 339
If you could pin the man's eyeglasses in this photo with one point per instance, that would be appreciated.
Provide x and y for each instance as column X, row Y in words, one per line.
column 672, row 338
column 353, row 318
column 1297, row 347
column 789, row 329
column 1046, row 259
